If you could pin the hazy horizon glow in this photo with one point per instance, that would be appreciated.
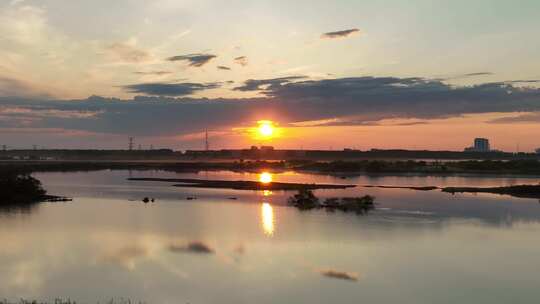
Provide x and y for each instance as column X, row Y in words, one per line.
column 340, row 74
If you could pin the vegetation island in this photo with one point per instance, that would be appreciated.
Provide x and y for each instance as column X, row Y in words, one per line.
column 22, row 190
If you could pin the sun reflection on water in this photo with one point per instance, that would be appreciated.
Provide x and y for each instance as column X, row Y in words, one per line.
column 267, row 217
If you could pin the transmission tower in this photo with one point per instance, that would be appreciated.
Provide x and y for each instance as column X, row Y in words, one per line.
column 130, row 146
column 206, row 142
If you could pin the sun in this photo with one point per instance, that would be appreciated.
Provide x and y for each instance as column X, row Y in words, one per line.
column 266, row 128
column 265, row 178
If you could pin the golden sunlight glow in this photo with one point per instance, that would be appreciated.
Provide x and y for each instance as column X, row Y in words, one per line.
column 267, row 193
column 266, row 128
column 267, row 216
column 264, row 131
column 265, row 178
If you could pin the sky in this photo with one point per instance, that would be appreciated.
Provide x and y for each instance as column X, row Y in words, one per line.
column 410, row 74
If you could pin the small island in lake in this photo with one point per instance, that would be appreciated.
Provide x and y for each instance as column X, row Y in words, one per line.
column 306, row 200
column 241, row 185
column 20, row 189
column 521, row 191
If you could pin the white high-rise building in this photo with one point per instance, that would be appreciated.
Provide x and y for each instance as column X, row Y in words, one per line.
column 480, row 145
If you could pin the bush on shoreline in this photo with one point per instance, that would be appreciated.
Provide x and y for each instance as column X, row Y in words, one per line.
column 19, row 188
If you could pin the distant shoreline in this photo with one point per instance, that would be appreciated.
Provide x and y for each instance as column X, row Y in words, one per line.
column 521, row 191
column 335, row 168
column 266, row 153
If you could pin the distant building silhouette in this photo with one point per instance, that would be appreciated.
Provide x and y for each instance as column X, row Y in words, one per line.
column 538, row 151
column 480, row 145
column 266, row 149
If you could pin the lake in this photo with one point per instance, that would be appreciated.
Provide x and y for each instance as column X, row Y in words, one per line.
column 231, row 246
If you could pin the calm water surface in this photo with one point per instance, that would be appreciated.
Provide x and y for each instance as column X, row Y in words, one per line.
column 418, row 247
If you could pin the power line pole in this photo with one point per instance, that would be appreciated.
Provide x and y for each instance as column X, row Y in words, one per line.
column 130, row 146
column 206, row 143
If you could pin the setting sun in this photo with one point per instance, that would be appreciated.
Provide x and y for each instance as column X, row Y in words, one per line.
column 266, row 128
column 265, row 178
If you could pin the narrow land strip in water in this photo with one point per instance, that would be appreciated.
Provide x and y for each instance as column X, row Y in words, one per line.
column 241, row 185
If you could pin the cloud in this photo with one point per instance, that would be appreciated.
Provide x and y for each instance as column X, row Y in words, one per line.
column 47, row 131
column 221, row 67
column 15, row 2
column 289, row 100
column 194, row 60
column 193, row 247
column 467, row 75
column 31, row 42
column 155, row 73
column 23, row 26
column 127, row 53
column 242, row 60
column 340, row 34
column 138, row 116
column 375, row 98
column 371, row 99
column 266, row 84
column 340, row 275
column 523, row 81
column 169, row 89
column 19, row 88
column 352, row 121
column 412, row 123
column 478, row 74
column 37, row 112
column 522, row 118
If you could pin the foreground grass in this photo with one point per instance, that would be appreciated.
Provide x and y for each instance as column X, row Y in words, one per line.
column 69, row 301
